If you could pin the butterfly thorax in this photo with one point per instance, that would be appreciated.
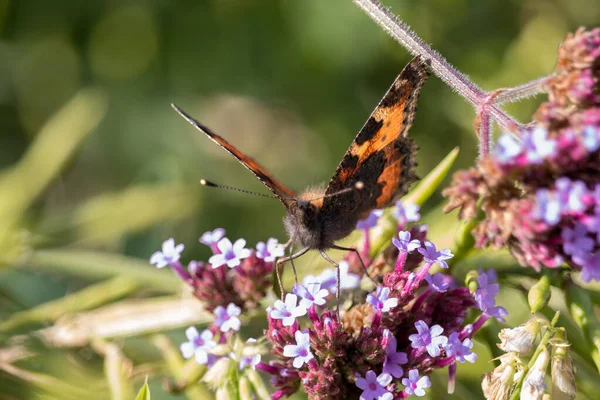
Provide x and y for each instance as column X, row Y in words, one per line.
column 310, row 225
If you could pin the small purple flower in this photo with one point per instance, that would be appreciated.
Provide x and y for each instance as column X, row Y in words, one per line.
column 406, row 213
column 210, row 238
column 380, row 301
column 431, row 255
column 198, row 345
column 373, row 386
column 591, row 138
column 328, row 278
column 287, row 312
column 300, row 351
column 571, row 195
column 312, row 293
column 486, row 290
column 432, row 339
column 370, row 221
column 438, row 282
column 590, row 266
column 169, row 254
column 547, row 207
column 247, row 361
column 393, row 358
column 231, row 254
column 576, row 241
column 461, row 351
column 537, row 145
column 414, row 384
column 404, row 244
column 269, row 251
column 507, row 148
column 227, row 318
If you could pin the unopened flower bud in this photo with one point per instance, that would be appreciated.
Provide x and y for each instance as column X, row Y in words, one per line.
column 533, row 385
column 498, row 383
column 217, row 375
column 563, row 373
column 520, row 339
column 471, row 281
column 539, row 294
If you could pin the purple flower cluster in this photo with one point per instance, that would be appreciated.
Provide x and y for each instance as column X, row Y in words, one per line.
column 233, row 275
column 385, row 346
column 540, row 192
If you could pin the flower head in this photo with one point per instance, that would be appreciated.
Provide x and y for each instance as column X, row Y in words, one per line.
column 230, row 254
column 373, row 386
column 370, row 221
column 287, row 312
column 414, row 384
column 431, row 339
column 310, row 294
column 380, row 301
column 301, row 350
column 269, row 251
column 169, row 254
column 211, row 238
column 227, row 318
column 198, row 344
column 576, row 240
column 404, row 244
column 591, row 138
column 431, row 255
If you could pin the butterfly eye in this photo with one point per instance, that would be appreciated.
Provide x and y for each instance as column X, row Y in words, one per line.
column 310, row 212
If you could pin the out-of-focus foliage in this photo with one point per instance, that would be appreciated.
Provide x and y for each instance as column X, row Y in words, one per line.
column 97, row 170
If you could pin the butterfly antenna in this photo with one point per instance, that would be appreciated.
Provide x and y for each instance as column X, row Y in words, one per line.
column 357, row 186
column 206, row 183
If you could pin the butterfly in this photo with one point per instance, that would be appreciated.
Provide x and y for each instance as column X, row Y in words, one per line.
column 378, row 168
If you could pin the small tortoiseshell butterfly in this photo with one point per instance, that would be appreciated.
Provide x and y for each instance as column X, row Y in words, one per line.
column 376, row 170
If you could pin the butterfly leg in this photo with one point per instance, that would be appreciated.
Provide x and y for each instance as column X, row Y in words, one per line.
column 338, row 280
column 292, row 261
column 279, row 267
column 359, row 259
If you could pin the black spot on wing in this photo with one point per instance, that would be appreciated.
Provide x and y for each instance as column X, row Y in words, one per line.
column 369, row 130
column 349, row 162
column 394, row 95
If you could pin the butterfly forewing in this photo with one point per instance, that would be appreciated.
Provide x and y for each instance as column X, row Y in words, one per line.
column 278, row 189
column 381, row 156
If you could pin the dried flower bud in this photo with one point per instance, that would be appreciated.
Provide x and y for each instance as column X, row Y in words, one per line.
column 563, row 373
column 520, row 339
column 498, row 383
column 533, row 385
column 539, row 294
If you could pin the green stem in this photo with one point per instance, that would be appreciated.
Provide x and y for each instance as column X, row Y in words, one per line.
column 582, row 310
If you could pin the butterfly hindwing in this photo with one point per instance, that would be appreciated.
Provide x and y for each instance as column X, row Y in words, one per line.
column 381, row 156
column 278, row 189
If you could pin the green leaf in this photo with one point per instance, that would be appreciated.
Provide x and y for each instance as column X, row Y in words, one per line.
column 54, row 145
column 85, row 299
column 428, row 185
column 144, row 393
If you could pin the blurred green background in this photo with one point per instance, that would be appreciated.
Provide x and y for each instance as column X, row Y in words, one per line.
column 93, row 158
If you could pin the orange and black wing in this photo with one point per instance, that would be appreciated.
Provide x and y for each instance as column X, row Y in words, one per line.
column 278, row 189
column 381, row 156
